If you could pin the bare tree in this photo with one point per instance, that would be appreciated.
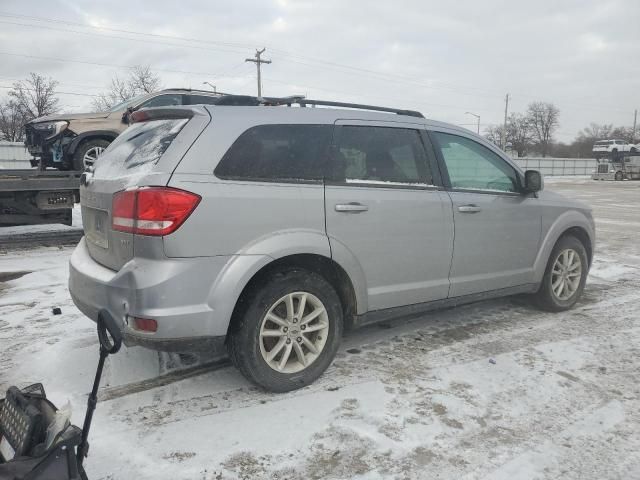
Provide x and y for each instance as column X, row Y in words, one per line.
column 623, row 133
column 596, row 132
column 544, row 119
column 35, row 96
column 11, row 122
column 493, row 133
column 139, row 80
column 519, row 133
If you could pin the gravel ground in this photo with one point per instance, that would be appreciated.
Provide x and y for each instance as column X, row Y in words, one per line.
column 493, row 390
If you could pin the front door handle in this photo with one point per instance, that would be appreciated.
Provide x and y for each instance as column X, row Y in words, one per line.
column 469, row 209
column 352, row 207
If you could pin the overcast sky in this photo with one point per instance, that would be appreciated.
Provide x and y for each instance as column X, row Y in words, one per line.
column 442, row 58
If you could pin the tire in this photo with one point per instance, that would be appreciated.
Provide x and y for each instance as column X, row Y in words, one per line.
column 633, row 150
column 85, row 149
column 619, row 176
column 249, row 349
column 547, row 297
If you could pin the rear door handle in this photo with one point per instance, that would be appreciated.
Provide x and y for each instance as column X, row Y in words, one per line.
column 469, row 209
column 352, row 207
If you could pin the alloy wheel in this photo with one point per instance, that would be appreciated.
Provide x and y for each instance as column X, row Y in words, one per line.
column 294, row 332
column 91, row 156
column 566, row 274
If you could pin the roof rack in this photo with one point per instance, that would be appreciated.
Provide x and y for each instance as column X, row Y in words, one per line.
column 247, row 100
column 411, row 113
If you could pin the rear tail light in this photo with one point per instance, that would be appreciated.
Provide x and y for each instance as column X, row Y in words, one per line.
column 145, row 324
column 152, row 211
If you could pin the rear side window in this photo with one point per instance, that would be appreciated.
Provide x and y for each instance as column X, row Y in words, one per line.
column 203, row 100
column 142, row 144
column 277, row 153
column 380, row 155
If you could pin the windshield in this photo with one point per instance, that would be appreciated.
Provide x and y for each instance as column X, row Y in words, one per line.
column 127, row 103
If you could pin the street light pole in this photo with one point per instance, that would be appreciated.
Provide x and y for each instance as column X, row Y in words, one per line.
column 211, row 85
column 477, row 118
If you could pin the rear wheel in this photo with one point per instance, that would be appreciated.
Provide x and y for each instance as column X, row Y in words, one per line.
column 565, row 275
column 88, row 152
column 619, row 176
column 289, row 331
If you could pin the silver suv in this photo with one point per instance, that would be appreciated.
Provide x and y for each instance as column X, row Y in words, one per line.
column 272, row 229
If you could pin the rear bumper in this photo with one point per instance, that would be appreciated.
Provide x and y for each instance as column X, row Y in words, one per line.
column 174, row 292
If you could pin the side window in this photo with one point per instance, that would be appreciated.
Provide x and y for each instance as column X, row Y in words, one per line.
column 163, row 101
column 278, row 152
column 203, row 100
column 472, row 166
column 380, row 155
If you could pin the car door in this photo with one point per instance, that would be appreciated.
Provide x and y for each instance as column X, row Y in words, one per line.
column 497, row 228
column 386, row 214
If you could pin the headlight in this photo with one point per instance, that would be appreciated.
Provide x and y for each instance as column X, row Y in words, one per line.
column 51, row 129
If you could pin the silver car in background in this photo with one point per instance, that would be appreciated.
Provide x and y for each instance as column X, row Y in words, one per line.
column 272, row 229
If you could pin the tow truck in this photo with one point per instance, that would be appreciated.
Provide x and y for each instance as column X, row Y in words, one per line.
column 34, row 196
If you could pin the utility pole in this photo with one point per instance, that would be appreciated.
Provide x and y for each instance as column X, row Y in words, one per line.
column 504, row 126
column 258, row 61
column 635, row 122
column 477, row 118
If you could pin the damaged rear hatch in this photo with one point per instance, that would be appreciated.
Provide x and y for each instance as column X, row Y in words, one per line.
column 145, row 154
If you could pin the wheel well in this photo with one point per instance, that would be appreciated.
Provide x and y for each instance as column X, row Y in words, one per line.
column 98, row 136
column 581, row 235
column 323, row 266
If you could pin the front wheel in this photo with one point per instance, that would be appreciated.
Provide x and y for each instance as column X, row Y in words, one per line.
column 289, row 331
column 88, row 152
column 619, row 176
column 565, row 275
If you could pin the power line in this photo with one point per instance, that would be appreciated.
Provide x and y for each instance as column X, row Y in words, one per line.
column 102, row 64
column 132, row 32
column 66, row 30
column 57, row 92
column 285, row 56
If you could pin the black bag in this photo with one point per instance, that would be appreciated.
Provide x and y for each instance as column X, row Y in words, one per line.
column 24, row 417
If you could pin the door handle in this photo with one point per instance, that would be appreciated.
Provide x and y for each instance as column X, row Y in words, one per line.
column 352, row 207
column 469, row 209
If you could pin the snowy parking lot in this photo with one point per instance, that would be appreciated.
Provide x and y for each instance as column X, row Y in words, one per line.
column 494, row 390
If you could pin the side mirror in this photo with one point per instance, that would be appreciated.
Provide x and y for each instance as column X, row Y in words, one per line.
column 533, row 181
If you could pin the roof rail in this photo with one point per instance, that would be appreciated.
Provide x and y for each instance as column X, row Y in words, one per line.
column 411, row 113
column 247, row 100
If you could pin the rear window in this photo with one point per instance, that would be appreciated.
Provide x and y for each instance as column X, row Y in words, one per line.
column 277, row 153
column 141, row 145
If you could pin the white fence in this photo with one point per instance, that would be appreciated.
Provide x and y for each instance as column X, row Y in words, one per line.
column 14, row 155
column 557, row 166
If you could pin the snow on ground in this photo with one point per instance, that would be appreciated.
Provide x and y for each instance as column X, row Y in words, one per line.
column 495, row 390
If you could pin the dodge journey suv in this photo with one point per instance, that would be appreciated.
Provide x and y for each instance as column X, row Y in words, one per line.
column 273, row 228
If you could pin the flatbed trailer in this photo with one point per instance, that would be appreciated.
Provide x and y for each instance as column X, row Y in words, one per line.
column 33, row 196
